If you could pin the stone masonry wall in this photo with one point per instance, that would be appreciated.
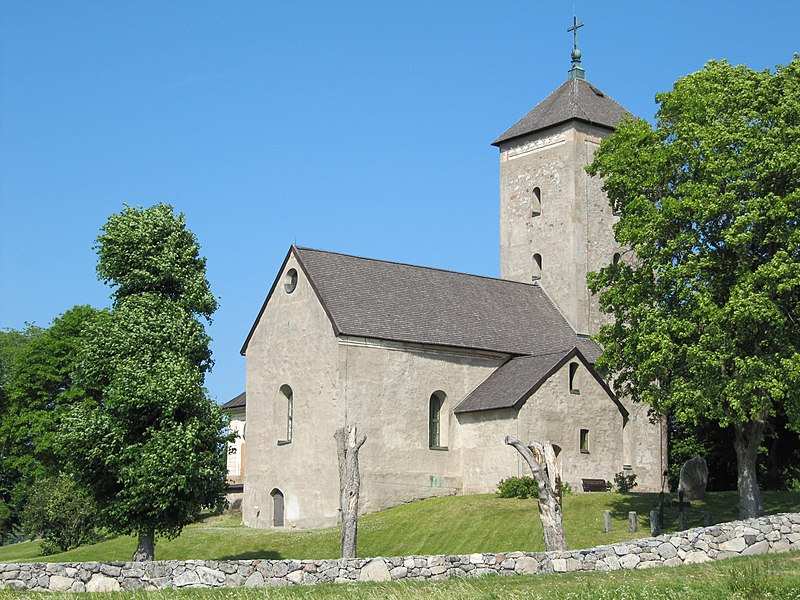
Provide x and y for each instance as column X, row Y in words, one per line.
column 777, row 533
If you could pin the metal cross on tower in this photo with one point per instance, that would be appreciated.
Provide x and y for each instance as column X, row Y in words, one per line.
column 577, row 71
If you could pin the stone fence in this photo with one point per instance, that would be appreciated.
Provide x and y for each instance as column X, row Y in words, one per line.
column 777, row 533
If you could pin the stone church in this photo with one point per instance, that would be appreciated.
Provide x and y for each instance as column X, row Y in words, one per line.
column 437, row 367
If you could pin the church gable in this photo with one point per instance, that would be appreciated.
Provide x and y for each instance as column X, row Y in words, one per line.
column 513, row 383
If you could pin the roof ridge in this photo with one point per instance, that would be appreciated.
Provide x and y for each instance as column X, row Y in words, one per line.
column 543, row 354
column 404, row 264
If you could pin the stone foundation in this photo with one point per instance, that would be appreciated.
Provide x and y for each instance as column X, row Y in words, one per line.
column 777, row 533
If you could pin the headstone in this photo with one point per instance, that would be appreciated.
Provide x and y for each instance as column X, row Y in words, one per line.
column 708, row 520
column 682, row 511
column 607, row 521
column 694, row 478
column 632, row 526
column 655, row 523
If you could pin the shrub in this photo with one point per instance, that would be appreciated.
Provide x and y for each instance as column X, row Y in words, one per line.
column 61, row 512
column 566, row 489
column 517, row 487
column 625, row 483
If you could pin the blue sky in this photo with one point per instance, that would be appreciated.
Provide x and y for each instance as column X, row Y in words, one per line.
column 356, row 127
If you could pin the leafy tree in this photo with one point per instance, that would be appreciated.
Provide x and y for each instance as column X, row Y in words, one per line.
column 5, row 517
column 151, row 448
column 36, row 386
column 11, row 344
column 60, row 512
column 707, row 308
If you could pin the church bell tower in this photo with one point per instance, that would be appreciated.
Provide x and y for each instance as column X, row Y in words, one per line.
column 555, row 221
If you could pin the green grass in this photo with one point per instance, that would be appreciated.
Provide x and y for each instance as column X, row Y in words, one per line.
column 453, row 525
column 746, row 578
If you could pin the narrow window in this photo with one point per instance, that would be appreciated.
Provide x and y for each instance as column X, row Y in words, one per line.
column 536, row 202
column 277, row 507
column 573, row 369
column 435, row 405
column 617, row 258
column 585, row 441
column 537, row 267
column 286, row 398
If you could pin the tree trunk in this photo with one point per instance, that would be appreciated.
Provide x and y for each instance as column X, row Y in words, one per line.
column 347, row 447
column 541, row 458
column 746, row 441
column 146, row 549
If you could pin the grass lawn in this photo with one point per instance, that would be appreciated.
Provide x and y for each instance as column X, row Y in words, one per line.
column 746, row 578
column 453, row 525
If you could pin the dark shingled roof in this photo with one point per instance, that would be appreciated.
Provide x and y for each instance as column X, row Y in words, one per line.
column 239, row 401
column 392, row 301
column 514, row 381
column 575, row 99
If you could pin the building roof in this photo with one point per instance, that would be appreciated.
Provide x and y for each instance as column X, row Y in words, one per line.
column 239, row 401
column 574, row 99
column 392, row 301
column 516, row 380
column 371, row 298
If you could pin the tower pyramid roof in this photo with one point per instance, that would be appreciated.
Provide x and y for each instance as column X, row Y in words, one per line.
column 574, row 99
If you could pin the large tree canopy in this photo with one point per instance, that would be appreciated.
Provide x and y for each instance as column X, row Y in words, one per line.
column 152, row 447
column 707, row 305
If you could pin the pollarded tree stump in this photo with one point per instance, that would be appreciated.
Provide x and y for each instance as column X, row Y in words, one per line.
column 541, row 458
column 347, row 447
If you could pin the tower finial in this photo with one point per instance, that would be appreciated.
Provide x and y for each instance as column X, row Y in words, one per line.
column 577, row 71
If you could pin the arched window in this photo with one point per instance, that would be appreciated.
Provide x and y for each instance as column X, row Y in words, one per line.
column 573, row 369
column 536, row 202
column 285, row 407
column 277, row 507
column 290, row 281
column 617, row 258
column 537, row 267
column 437, row 411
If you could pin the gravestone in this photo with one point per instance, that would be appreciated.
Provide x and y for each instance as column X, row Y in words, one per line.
column 694, row 478
column 655, row 523
column 682, row 506
column 632, row 525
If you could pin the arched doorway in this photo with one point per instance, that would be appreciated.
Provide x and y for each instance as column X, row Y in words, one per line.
column 277, row 507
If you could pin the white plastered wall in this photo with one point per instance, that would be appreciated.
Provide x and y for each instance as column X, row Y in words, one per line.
column 552, row 414
column 293, row 344
column 386, row 389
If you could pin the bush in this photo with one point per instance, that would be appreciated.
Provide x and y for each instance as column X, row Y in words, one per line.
column 525, row 487
column 517, row 487
column 625, row 483
column 61, row 512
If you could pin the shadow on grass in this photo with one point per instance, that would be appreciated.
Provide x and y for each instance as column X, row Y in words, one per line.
column 264, row 555
column 721, row 506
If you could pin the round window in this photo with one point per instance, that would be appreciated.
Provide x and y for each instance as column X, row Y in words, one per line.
column 290, row 281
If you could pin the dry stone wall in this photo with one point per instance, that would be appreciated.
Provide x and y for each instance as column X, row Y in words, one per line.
column 777, row 533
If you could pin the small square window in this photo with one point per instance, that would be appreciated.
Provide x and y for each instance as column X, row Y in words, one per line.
column 584, row 444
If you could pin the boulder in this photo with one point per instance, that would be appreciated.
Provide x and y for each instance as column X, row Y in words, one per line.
column 375, row 570
column 694, row 478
